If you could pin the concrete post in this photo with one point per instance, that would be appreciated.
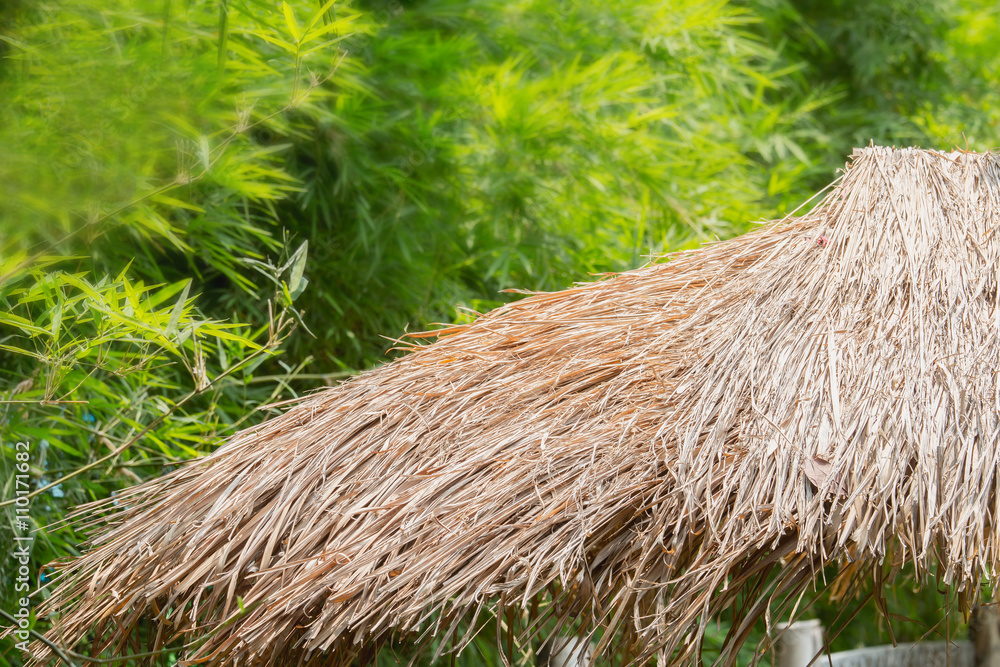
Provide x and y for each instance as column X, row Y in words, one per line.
column 797, row 643
column 565, row 652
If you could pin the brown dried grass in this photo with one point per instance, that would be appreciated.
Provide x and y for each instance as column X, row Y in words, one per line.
column 641, row 453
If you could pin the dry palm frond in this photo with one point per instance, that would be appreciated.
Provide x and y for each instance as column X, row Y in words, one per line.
column 646, row 450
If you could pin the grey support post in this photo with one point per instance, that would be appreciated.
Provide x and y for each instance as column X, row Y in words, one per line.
column 562, row 651
column 797, row 643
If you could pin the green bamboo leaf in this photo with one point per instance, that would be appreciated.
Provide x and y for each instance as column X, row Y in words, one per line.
column 204, row 152
column 165, row 292
column 18, row 350
column 173, row 202
column 296, row 283
column 123, row 272
column 249, row 368
column 13, row 42
column 134, row 307
column 239, row 339
column 323, row 45
column 223, row 357
column 319, row 15
column 56, row 320
column 21, row 323
column 59, row 444
column 9, row 266
column 175, row 314
column 291, row 48
column 83, row 286
column 293, row 27
column 223, row 34
column 336, row 26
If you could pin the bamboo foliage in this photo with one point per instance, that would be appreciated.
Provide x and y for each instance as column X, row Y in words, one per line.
column 640, row 453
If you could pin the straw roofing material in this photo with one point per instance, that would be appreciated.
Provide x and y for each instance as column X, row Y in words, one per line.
column 640, row 450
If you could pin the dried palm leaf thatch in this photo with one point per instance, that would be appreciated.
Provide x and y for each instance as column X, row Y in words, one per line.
column 642, row 452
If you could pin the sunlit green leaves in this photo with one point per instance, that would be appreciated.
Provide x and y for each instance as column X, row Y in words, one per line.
column 110, row 379
column 490, row 145
column 112, row 326
column 122, row 126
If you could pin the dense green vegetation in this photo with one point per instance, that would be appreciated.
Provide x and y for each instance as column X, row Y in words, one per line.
column 208, row 206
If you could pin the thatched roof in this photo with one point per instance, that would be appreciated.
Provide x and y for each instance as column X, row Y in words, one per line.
column 633, row 455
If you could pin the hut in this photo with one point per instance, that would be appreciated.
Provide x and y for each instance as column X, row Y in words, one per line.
column 625, row 459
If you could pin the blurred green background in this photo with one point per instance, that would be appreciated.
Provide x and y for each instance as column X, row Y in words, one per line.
column 211, row 206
